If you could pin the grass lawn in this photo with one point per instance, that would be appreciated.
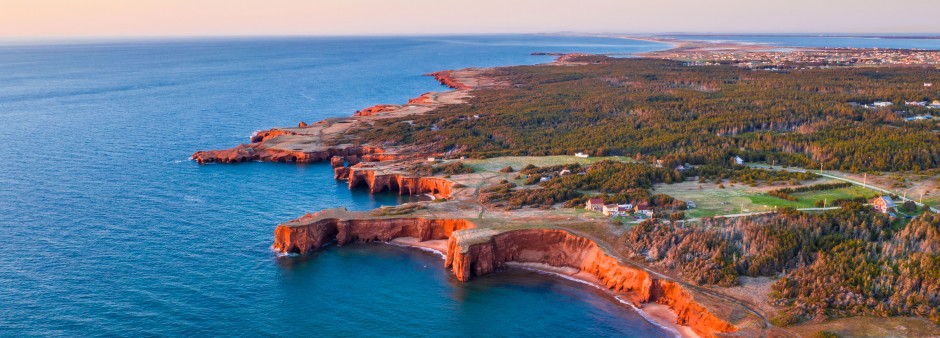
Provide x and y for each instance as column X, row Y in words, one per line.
column 711, row 200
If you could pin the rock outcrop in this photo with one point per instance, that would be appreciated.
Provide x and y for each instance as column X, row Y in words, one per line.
column 264, row 135
column 403, row 184
column 446, row 77
column 469, row 254
column 311, row 232
column 259, row 152
column 379, row 108
column 562, row 249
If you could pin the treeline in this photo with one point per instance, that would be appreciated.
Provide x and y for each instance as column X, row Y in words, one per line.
column 452, row 168
column 619, row 182
column 786, row 193
column 663, row 110
column 846, row 262
column 748, row 175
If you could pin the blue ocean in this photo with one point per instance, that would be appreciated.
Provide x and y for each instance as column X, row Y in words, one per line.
column 108, row 229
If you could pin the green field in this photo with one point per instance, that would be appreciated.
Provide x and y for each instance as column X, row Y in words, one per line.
column 711, row 200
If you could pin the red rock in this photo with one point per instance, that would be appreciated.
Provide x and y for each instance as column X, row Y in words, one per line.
column 307, row 234
column 562, row 249
column 403, row 184
column 337, row 161
column 422, row 99
column 379, row 108
column 553, row 247
column 264, row 135
column 259, row 152
column 446, row 77
column 301, row 124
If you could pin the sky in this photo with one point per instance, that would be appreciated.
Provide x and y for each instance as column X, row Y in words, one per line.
column 155, row 18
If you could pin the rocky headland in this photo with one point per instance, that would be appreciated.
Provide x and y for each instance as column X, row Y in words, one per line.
column 475, row 241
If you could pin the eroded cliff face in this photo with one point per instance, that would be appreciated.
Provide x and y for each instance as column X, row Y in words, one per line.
column 379, row 108
column 259, row 152
column 479, row 257
column 562, row 249
column 394, row 182
column 446, row 77
column 309, row 233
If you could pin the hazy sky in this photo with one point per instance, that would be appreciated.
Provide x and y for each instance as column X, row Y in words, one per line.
column 121, row 18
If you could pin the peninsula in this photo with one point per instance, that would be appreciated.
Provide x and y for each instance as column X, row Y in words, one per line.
column 707, row 193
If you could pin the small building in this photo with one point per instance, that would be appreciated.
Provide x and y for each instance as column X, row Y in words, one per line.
column 738, row 160
column 614, row 210
column 564, row 172
column 644, row 209
column 432, row 159
column 690, row 205
column 928, row 84
column 594, row 204
column 610, row 210
column 882, row 104
column 883, row 204
column 581, row 155
column 544, row 179
column 919, row 118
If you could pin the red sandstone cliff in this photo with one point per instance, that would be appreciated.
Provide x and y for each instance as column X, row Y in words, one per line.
column 305, row 234
column 446, row 77
column 403, row 184
column 562, row 249
column 553, row 247
column 258, row 152
column 379, row 108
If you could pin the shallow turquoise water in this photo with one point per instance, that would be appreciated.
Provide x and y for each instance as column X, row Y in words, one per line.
column 108, row 229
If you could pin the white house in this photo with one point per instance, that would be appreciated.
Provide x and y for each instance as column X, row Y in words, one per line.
column 882, row 104
column 581, row 155
column 615, row 210
column 738, row 160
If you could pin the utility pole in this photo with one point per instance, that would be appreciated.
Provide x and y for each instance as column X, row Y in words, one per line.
column 865, row 181
column 825, row 202
column 921, row 200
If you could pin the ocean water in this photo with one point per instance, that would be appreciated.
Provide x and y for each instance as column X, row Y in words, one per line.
column 930, row 42
column 107, row 229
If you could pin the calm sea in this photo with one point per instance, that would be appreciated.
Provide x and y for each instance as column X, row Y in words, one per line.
column 107, row 229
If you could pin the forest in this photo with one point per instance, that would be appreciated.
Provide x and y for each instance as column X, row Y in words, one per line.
column 846, row 262
column 677, row 113
column 618, row 182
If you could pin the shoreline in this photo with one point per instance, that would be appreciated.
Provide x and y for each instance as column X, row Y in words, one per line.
column 656, row 314
column 323, row 141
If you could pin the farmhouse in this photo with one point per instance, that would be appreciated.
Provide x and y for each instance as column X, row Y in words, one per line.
column 594, row 204
column 883, row 204
column 643, row 208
